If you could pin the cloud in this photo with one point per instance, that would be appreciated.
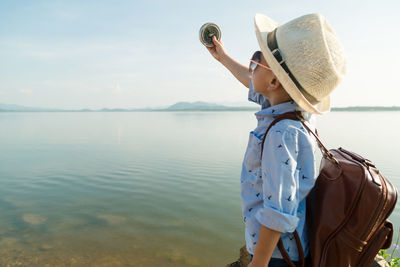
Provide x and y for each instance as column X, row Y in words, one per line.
column 116, row 89
column 25, row 91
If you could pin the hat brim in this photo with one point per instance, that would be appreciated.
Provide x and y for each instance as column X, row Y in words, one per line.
column 264, row 25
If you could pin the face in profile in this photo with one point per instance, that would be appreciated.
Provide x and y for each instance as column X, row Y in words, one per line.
column 264, row 79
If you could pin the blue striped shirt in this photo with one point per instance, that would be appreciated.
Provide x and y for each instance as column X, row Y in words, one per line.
column 273, row 189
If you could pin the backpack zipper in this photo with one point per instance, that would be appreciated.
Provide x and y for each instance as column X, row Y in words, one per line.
column 382, row 201
column 377, row 225
column 365, row 162
column 345, row 221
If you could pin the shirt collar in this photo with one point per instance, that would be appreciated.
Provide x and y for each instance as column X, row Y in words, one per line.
column 278, row 109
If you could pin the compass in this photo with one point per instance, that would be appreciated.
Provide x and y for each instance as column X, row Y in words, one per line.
column 207, row 31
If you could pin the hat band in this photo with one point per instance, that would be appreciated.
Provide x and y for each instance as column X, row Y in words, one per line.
column 276, row 52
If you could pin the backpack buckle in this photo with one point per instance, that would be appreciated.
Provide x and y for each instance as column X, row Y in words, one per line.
column 330, row 155
column 299, row 115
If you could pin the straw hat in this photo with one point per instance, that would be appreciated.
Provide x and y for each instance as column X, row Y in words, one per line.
column 312, row 58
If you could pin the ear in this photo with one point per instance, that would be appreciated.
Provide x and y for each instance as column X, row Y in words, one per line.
column 274, row 83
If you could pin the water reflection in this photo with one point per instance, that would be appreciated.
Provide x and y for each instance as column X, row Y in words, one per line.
column 141, row 189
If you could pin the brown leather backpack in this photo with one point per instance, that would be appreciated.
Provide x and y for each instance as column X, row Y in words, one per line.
column 346, row 210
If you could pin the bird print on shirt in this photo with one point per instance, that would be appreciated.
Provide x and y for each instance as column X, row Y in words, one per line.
column 262, row 169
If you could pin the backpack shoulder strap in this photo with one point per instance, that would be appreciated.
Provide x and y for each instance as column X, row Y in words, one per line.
column 286, row 256
column 288, row 115
column 296, row 115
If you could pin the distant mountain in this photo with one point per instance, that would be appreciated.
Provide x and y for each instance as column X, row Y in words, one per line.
column 203, row 106
column 184, row 106
column 199, row 105
column 366, row 108
column 238, row 104
column 11, row 107
column 194, row 105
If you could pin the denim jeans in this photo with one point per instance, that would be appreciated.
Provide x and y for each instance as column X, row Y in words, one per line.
column 276, row 262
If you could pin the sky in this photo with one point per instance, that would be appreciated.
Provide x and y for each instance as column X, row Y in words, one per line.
column 135, row 54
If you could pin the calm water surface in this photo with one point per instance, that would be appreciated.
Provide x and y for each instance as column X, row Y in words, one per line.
column 144, row 188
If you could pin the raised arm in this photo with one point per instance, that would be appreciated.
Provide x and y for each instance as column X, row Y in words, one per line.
column 238, row 70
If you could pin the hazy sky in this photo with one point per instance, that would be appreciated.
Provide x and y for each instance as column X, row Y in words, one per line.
column 94, row 54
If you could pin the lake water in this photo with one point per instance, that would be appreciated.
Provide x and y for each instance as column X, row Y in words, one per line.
column 145, row 188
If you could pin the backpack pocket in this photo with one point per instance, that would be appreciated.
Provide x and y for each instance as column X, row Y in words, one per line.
column 388, row 242
column 344, row 249
column 351, row 240
column 382, row 239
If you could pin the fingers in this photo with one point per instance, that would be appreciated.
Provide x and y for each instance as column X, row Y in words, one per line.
column 215, row 41
column 211, row 49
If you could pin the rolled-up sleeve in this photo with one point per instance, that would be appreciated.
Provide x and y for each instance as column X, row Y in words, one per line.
column 280, row 181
